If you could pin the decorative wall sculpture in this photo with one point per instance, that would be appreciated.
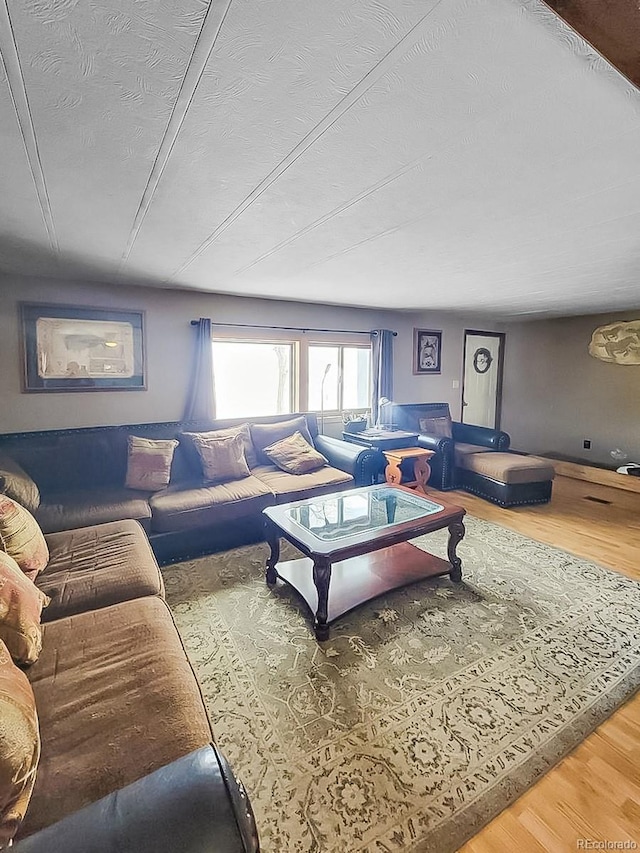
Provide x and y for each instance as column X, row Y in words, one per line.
column 617, row 343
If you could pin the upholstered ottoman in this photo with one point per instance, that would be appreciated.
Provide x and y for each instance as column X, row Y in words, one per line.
column 507, row 479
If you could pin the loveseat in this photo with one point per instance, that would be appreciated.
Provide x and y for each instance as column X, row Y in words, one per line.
column 80, row 477
column 473, row 458
column 127, row 759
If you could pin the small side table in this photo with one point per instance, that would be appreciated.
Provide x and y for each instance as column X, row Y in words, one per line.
column 382, row 439
column 421, row 467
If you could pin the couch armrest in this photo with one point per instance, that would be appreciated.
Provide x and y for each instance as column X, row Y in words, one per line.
column 442, row 462
column 365, row 464
column 484, row 436
column 193, row 805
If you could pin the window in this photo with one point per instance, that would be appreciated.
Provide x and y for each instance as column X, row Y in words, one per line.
column 253, row 377
column 339, row 376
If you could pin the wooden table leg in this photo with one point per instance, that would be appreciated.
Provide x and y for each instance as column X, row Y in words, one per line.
column 321, row 579
column 273, row 539
column 421, row 472
column 392, row 473
column 456, row 535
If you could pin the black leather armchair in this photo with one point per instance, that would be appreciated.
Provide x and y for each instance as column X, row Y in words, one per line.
column 408, row 416
column 194, row 805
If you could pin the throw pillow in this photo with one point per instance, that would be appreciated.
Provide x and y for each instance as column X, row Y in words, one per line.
column 17, row 484
column 149, row 463
column 21, row 538
column 222, row 458
column 21, row 604
column 19, row 746
column 241, row 430
column 295, row 455
column 264, row 435
column 436, row 426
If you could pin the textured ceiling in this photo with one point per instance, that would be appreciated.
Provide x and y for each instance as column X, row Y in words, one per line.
column 445, row 154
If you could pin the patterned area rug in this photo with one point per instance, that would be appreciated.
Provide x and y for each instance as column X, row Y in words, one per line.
column 428, row 710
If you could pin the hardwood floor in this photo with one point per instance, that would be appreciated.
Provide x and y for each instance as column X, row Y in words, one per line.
column 594, row 793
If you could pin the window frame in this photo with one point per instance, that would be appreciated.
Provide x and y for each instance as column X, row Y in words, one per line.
column 300, row 342
column 340, row 345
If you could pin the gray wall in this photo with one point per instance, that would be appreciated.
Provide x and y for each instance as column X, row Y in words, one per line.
column 556, row 394
column 169, row 341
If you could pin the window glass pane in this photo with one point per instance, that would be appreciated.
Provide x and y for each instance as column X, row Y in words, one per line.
column 319, row 358
column 252, row 378
column 355, row 377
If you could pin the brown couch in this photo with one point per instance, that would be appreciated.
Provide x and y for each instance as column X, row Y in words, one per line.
column 117, row 700
column 80, row 475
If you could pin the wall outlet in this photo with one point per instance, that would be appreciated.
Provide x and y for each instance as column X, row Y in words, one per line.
column 587, row 444
column 455, row 383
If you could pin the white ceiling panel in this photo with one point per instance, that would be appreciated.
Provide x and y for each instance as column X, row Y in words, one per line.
column 453, row 154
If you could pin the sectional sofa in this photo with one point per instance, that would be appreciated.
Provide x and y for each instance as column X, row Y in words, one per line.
column 127, row 759
column 80, row 477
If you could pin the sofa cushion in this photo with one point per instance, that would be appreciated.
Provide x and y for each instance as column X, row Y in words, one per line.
column 21, row 604
column 97, row 566
column 295, row 487
column 510, row 467
column 21, row 537
column 462, row 449
column 68, row 510
column 182, row 508
column 265, row 434
column 187, row 438
column 19, row 745
column 440, row 426
column 117, row 699
column 149, row 463
column 17, row 484
column 222, row 459
column 295, row 455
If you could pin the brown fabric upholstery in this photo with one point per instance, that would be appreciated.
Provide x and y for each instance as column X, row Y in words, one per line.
column 97, row 566
column 462, row 449
column 68, row 510
column 17, row 484
column 296, row 487
column 509, row 467
column 117, row 699
column 182, row 509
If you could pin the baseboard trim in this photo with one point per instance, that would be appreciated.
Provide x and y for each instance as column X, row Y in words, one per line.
column 601, row 476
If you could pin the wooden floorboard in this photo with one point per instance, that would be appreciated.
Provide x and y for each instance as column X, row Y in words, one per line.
column 594, row 793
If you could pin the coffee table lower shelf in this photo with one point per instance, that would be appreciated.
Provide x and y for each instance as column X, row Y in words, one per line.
column 359, row 579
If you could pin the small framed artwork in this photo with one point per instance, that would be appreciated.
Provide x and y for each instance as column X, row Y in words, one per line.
column 427, row 350
column 68, row 348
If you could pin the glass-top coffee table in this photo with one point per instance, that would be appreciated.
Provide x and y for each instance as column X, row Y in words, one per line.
column 356, row 546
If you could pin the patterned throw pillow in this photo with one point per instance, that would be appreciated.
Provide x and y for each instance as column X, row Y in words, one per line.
column 436, row 426
column 149, row 463
column 21, row 604
column 221, row 458
column 21, row 537
column 17, row 484
column 264, row 435
column 295, row 455
column 229, row 432
column 19, row 746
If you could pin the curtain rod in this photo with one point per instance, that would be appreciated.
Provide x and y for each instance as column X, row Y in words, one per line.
column 291, row 328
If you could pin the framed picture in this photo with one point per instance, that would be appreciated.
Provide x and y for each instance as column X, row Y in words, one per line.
column 67, row 348
column 427, row 350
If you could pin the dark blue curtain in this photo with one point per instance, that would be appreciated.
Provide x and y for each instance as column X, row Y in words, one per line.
column 200, row 405
column 381, row 369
